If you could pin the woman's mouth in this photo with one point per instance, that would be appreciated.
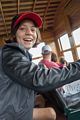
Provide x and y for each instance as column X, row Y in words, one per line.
column 28, row 40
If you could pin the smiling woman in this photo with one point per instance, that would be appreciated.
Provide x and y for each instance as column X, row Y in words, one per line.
column 27, row 26
column 26, row 34
column 20, row 77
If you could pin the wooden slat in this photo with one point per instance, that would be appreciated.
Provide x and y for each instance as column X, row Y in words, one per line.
column 54, row 5
column 41, row 2
column 3, row 18
column 9, row 9
column 26, row 3
column 10, row 13
column 8, row 5
column 7, row 1
column 49, row 17
column 51, row 9
column 18, row 6
column 34, row 5
column 50, row 13
column 8, row 18
column 41, row 6
column 39, row 10
column 50, row 21
column 25, row 7
column 45, row 14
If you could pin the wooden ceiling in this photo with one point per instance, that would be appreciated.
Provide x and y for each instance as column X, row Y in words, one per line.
column 47, row 9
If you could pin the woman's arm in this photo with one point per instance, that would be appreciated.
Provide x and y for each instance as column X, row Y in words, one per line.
column 19, row 68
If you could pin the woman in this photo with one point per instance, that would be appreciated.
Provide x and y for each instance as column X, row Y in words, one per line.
column 19, row 77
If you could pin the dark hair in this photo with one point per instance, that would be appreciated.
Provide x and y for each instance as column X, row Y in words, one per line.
column 13, row 30
column 54, row 57
column 38, row 37
column 62, row 60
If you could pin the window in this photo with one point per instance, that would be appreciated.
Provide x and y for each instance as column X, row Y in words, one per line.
column 68, row 56
column 78, row 51
column 59, row 44
column 76, row 35
column 36, row 53
column 36, row 61
column 65, row 47
column 65, row 42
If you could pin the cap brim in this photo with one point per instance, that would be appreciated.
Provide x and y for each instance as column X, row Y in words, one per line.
column 46, row 52
column 29, row 15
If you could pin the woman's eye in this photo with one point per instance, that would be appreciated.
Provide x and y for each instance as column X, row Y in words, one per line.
column 21, row 28
column 33, row 29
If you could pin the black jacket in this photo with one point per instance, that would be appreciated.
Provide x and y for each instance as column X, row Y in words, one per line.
column 19, row 78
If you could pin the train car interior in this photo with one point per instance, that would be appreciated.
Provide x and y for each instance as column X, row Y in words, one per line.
column 61, row 31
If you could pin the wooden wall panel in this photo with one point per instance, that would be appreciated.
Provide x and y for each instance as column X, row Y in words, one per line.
column 53, row 46
column 73, row 11
column 2, row 42
column 47, row 36
column 59, row 27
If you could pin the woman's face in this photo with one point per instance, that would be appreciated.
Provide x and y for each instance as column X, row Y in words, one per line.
column 26, row 34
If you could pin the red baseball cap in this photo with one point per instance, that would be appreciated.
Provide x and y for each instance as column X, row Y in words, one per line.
column 29, row 15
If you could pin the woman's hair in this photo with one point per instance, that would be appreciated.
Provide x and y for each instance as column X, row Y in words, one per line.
column 38, row 37
column 62, row 60
column 54, row 57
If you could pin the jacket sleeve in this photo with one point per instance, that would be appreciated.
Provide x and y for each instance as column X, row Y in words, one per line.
column 20, row 69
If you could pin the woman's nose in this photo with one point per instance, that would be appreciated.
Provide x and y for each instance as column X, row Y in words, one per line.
column 28, row 30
